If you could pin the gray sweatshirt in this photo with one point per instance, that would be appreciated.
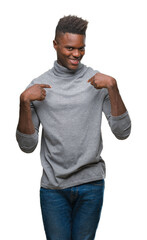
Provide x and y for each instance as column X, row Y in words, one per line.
column 71, row 116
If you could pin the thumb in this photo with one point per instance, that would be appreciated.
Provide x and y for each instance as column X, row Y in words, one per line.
column 91, row 79
column 45, row 86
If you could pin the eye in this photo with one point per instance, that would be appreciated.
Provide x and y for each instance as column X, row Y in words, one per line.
column 69, row 48
column 82, row 49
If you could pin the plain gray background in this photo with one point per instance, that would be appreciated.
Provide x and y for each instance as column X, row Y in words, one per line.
column 116, row 45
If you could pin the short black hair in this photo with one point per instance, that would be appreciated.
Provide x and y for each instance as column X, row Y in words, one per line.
column 71, row 24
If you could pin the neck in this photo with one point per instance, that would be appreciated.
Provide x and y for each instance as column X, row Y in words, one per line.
column 61, row 71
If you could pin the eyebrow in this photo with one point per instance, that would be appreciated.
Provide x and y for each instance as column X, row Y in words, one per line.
column 69, row 46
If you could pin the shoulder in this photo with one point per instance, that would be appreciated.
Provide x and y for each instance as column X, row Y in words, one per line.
column 103, row 92
column 42, row 79
column 89, row 71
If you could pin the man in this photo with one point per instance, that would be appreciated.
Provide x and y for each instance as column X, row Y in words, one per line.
column 68, row 100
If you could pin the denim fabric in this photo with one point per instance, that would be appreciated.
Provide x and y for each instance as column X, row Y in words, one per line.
column 72, row 213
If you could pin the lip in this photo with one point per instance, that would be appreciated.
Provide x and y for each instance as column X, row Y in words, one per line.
column 74, row 61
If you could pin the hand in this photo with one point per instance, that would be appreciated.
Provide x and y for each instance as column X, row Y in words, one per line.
column 100, row 80
column 35, row 92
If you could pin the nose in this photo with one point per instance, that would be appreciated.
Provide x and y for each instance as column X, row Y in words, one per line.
column 76, row 53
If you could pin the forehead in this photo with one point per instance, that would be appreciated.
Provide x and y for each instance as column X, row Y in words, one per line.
column 71, row 39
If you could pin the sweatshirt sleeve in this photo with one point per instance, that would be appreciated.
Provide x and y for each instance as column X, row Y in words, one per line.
column 120, row 125
column 28, row 142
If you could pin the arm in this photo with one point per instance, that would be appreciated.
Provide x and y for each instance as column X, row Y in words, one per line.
column 117, row 104
column 113, row 105
column 25, row 124
column 100, row 81
column 28, row 125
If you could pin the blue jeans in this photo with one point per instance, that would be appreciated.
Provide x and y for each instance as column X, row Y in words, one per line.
column 72, row 213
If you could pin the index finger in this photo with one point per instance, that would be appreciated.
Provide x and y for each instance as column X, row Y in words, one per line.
column 44, row 85
column 91, row 79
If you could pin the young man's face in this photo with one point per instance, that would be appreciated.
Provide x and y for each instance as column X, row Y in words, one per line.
column 70, row 49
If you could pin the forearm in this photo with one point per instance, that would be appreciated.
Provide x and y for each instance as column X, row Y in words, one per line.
column 116, row 112
column 100, row 81
column 117, row 104
column 25, row 124
column 28, row 125
column 26, row 135
column 113, row 106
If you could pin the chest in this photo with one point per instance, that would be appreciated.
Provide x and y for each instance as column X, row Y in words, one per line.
column 74, row 98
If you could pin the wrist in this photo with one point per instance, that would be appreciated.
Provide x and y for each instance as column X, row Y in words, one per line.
column 111, row 84
column 24, row 99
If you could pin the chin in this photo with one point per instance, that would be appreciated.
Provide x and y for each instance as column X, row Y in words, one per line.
column 68, row 65
column 72, row 67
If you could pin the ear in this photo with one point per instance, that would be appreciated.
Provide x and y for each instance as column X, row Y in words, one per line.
column 55, row 44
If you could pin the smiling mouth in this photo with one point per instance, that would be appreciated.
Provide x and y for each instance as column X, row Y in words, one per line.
column 74, row 61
